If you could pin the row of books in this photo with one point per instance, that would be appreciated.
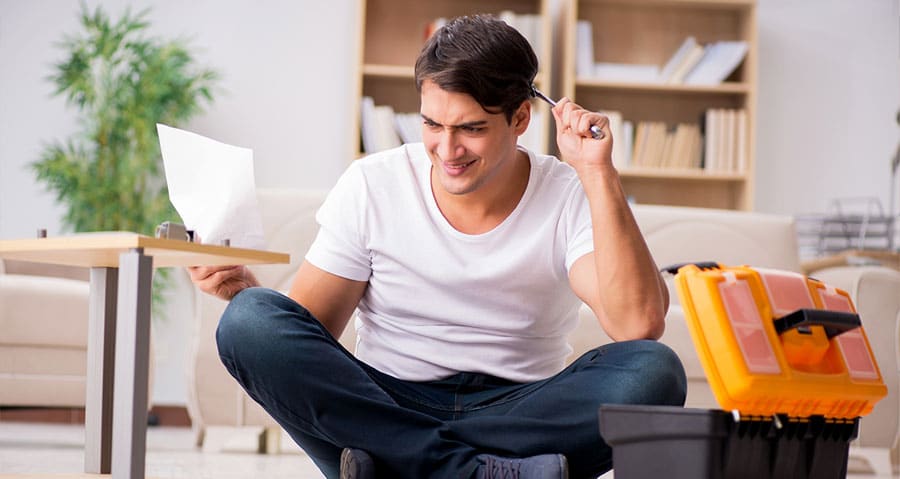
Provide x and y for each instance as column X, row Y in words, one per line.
column 528, row 24
column 717, row 145
column 382, row 128
column 696, row 64
column 658, row 145
column 726, row 140
column 691, row 63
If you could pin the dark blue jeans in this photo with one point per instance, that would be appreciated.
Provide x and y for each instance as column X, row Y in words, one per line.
column 326, row 399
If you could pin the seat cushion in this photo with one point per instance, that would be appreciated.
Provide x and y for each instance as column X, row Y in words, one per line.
column 43, row 311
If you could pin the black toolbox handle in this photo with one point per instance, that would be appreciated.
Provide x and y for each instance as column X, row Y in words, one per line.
column 834, row 322
column 704, row 265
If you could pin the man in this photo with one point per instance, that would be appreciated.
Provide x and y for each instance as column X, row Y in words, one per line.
column 467, row 259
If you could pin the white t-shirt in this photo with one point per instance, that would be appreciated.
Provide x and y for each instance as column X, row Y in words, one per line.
column 440, row 301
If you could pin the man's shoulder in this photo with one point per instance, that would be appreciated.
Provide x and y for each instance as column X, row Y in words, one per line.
column 553, row 172
column 395, row 170
column 407, row 154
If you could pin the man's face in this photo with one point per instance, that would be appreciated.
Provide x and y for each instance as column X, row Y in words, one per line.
column 469, row 147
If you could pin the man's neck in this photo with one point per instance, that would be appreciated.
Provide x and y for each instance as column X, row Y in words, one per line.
column 482, row 210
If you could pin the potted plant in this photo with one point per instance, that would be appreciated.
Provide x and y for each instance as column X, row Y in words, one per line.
column 109, row 175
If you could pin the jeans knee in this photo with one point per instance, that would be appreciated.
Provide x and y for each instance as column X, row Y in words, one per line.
column 662, row 369
column 651, row 373
column 245, row 321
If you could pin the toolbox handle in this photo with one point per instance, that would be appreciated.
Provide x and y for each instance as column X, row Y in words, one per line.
column 834, row 322
column 703, row 265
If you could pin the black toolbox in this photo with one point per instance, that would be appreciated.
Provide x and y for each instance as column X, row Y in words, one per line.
column 653, row 442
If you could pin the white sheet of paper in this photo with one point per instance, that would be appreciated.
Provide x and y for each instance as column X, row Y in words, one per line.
column 211, row 185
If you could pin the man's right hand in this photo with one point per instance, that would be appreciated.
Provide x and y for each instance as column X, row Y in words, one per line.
column 222, row 281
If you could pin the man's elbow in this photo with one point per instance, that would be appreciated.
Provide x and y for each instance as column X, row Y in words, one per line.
column 649, row 323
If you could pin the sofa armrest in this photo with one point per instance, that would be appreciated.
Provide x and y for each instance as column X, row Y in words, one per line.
column 875, row 291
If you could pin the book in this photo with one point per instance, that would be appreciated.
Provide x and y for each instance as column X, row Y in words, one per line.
column 640, row 140
column 678, row 154
column 654, row 150
column 627, row 72
column 377, row 126
column 742, row 141
column 367, row 124
column 584, row 49
column 728, row 140
column 718, row 63
column 621, row 151
column 687, row 64
column 626, row 144
column 696, row 152
column 677, row 58
column 667, row 157
column 711, row 141
column 386, row 134
column 409, row 127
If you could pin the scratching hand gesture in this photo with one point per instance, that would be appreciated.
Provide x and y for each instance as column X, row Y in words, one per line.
column 576, row 141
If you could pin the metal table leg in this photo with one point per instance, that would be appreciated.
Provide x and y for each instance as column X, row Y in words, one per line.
column 100, row 367
column 132, row 363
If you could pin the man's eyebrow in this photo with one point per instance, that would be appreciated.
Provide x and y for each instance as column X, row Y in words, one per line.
column 468, row 124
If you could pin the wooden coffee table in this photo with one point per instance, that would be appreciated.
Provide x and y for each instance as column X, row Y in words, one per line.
column 118, row 345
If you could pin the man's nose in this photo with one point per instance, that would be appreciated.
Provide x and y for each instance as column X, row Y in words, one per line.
column 449, row 147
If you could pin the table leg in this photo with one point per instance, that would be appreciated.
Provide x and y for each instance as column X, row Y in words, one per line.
column 100, row 366
column 132, row 362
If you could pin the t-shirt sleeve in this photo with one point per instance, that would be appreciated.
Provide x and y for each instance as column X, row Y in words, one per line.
column 340, row 246
column 579, row 231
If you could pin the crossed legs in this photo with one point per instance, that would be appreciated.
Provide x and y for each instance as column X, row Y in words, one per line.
column 327, row 400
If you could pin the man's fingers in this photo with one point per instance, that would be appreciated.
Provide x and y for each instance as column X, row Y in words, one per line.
column 570, row 116
column 589, row 119
column 205, row 273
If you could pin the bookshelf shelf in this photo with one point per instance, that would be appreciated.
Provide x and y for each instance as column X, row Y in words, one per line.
column 728, row 88
column 642, row 33
column 393, row 31
column 723, row 4
column 680, row 174
column 388, row 71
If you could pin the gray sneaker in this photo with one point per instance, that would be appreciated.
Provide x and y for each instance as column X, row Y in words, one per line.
column 357, row 464
column 546, row 466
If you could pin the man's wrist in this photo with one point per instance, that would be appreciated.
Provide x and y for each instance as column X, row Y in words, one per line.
column 597, row 174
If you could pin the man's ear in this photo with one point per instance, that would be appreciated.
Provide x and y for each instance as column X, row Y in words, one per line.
column 521, row 118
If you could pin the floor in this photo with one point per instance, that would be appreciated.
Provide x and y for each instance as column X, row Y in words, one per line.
column 55, row 451
column 58, row 449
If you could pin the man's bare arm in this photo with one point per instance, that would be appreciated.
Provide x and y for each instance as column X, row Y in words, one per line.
column 330, row 298
column 619, row 279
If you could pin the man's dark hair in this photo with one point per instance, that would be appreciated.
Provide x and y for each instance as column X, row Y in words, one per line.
column 481, row 56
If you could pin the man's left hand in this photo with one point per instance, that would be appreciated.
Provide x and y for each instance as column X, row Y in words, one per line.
column 577, row 146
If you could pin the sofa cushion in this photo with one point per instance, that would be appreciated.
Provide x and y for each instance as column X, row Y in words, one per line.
column 288, row 216
column 24, row 298
column 681, row 234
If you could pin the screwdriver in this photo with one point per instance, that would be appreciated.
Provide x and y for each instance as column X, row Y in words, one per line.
column 596, row 132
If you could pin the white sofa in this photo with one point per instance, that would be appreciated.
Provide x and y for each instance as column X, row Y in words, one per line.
column 44, row 312
column 674, row 235
column 43, row 334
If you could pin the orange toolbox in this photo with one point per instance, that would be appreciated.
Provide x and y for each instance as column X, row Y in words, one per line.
column 790, row 365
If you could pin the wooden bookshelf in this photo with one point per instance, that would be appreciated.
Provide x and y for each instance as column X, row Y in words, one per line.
column 649, row 32
column 392, row 32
